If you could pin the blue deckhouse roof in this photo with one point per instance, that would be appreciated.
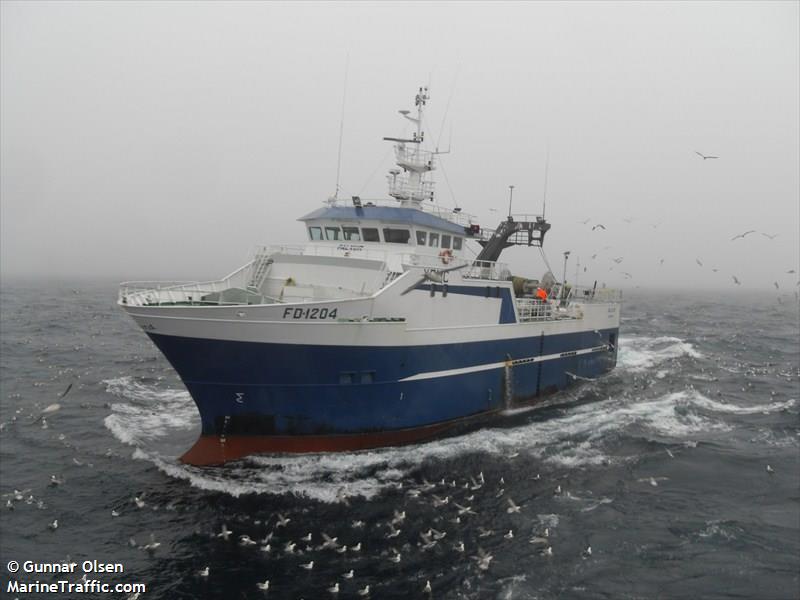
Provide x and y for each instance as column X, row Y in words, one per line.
column 387, row 214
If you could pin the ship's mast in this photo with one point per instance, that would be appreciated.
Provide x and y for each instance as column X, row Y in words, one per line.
column 412, row 185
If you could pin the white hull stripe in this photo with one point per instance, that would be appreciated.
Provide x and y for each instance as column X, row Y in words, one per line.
column 498, row 365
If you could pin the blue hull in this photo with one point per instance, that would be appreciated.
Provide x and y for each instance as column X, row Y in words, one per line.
column 262, row 389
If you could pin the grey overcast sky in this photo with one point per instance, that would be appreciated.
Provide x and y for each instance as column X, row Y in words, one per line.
column 156, row 140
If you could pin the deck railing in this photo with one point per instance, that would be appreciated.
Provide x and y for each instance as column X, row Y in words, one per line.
column 533, row 309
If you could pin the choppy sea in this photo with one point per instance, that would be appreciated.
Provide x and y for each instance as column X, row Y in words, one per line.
column 675, row 476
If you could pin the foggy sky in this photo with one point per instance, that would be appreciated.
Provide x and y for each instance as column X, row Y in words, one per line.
column 165, row 141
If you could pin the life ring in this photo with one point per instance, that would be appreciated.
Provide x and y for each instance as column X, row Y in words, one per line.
column 446, row 256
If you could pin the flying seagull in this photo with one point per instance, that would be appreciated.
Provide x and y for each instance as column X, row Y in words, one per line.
column 598, row 226
column 772, row 237
column 704, row 156
column 741, row 235
column 735, row 280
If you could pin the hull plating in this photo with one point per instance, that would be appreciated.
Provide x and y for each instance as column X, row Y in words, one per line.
column 259, row 397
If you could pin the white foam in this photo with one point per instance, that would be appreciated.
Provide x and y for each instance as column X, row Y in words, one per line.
column 572, row 440
column 642, row 353
column 724, row 407
column 149, row 412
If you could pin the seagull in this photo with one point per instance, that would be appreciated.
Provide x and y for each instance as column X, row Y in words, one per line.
column 598, row 226
column 735, row 280
column 356, row 548
column 484, row 532
column 538, row 540
column 50, row 409
column 334, row 589
column 138, row 502
column 364, row 593
column 464, row 510
column 512, row 508
column 224, row 534
column 437, row 501
column 357, row 524
column 329, row 541
column 55, row 480
column 203, row 572
column 772, row 237
column 263, row 586
column 396, row 558
column 348, row 575
column 697, row 260
column 509, row 535
column 393, row 533
column 775, row 283
column 282, row 521
column 557, row 490
column 53, row 525
column 308, row 566
column 245, row 540
column 459, row 547
column 704, row 156
column 587, row 552
column 427, row 588
column 153, row 545
column 483, row 559
column 618, row 259
column 770, row 470
column 742, row 235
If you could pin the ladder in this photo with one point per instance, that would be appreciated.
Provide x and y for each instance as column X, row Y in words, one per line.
column 261, row 264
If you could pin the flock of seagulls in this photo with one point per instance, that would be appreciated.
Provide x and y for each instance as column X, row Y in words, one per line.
column 399, row 535
column 599, row 227
column 627, row 275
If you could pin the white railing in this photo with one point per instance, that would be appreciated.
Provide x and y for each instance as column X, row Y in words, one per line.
column 415, row 158
column 585, row 294
column 533, row 309
column 143, row 293
column 401, row 188
column 155, row 293
column 486, row 269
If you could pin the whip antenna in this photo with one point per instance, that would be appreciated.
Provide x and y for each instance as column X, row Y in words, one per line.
column 546, row 170
column 341, row 129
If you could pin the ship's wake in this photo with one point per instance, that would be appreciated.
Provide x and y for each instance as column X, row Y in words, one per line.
column 573, row 433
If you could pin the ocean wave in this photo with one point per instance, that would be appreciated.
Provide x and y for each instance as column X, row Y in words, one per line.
column 571, row 440
column 638, row 354
column 149, row 412
column 713, row 405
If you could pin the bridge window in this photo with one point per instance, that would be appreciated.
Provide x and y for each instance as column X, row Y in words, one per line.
column 315, row 233
column 370, row 234
column 396, row 236
column 433, row 240
column 421, row 238
column 333, row 233
column 445, row 241
column 457, row 243
column 351, row 234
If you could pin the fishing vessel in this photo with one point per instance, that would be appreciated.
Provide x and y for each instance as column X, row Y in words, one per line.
column 384, row 327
